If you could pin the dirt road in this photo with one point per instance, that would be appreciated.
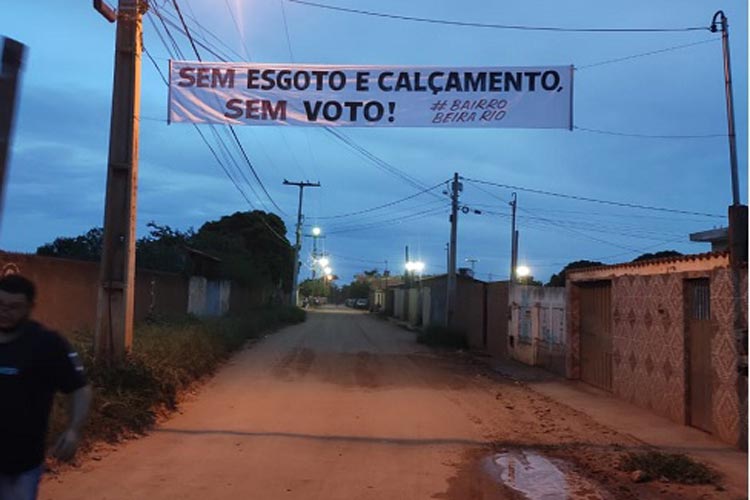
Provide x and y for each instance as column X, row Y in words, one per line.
column 347, row 406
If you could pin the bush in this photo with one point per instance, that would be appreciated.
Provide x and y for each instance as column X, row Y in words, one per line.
column 674, row 467
column 440, row 336
column 168, row 356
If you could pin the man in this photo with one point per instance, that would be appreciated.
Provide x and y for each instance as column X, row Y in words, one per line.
column 34, row 364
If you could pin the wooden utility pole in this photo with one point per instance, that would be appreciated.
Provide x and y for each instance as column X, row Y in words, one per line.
column 10, row 68
column 450, row 302
column 114, row 326
column 297, row 243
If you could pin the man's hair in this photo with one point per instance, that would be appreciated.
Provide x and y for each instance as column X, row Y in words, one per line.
column 15, row 283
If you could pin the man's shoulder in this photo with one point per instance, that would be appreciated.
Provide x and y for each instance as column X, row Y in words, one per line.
column 41, row 334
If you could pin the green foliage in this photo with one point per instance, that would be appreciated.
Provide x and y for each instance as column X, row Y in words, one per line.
column 314, row 288
column 251, row 245
column 440, row 336
column 85, row 247
column 657, row 255
column 559, row 278
column 167, row 357
column 674, row 467
column 164, row 248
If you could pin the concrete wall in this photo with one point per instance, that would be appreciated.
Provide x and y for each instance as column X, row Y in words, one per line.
column 415, row 306
column 398, row 303
column 67, row 290
column 648, row 344
column 537, row 333
column 497, row 319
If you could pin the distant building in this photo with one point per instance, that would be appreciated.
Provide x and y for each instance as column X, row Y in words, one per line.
column 719, row 238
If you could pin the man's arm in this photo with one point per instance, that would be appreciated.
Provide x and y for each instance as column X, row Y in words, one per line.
column 80, row 401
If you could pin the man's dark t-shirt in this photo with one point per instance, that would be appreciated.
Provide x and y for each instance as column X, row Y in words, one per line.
column 32, row 368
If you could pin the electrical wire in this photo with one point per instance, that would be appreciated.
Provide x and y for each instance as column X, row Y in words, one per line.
column 593, row 200
column 231, row 128
column 645, row 54
column 647, row 136
column 495, row 26
column 385, row 205
column 211, row 149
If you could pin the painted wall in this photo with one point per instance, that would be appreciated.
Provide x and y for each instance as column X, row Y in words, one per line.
column 537, row 328
column 67, row 290
column 648, row 343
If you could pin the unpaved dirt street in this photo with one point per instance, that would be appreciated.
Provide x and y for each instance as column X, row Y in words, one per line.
column 348, row 406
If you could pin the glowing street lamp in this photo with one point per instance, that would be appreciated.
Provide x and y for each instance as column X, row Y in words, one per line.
column 328, row 271
column 324, row 262
column 523, row 271
column 316, row 231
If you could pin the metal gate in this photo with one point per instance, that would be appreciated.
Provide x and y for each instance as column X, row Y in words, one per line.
column 596, row 334
column 699, row 333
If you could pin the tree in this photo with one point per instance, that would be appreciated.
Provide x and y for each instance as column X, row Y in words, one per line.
column 657, row 255
column 163, row 249
column 313, row 288
column 559, row 278
column 252, row 247
column 85, row 247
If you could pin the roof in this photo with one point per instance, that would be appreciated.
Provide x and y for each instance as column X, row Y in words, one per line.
column 202, row 254
column 712, row 235
column 654, row 262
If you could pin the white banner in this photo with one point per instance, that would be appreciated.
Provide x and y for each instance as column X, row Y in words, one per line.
column 370, row 96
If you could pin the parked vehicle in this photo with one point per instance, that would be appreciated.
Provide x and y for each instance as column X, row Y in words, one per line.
column 362, row 303
column 349, row 302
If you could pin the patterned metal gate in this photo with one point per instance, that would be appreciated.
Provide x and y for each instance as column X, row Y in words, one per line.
column 596, row 334
column 699, row 333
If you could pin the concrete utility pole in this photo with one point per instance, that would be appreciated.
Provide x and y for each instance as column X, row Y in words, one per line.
column 513, row 240
column 10, row 68
column 297, row 243
column 722, row 20
column 114, row 326
column 450, row 303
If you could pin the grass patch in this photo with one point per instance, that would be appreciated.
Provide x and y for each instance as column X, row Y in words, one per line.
column 440, row 336
column 168, row 356
column 674, row 467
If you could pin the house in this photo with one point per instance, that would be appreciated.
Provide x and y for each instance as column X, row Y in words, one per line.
column 666, row 335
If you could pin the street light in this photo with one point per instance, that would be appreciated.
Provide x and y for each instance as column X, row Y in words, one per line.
column 323, row 261
column 523, row 271
column 316, row 231
column 327, row 271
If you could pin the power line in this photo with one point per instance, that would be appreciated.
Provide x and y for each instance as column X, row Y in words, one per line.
column 219, row 141
column 239, row 31
column 231, row 128
column 648, row 136
column 385, row 205
column 286, row 30
column 593, row 200
column 645, row 54
column 373, row 225
column 495, row 26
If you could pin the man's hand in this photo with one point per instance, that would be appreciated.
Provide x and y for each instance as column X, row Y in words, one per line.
column 66, row 445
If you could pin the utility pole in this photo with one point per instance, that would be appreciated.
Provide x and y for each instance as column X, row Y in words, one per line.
column 298, row 234
column 513, row 240
column 115, row 307
column 450, row 302
column 737, row 223
column 10, row 68
column 722, row 20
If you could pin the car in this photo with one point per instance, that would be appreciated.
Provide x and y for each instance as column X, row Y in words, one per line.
column 349, row 302
column 361, row 303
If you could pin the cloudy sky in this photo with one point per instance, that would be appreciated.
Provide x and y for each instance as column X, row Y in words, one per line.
column 649, row 114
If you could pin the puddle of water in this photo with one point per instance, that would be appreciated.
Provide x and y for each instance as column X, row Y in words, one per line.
column 540, row 478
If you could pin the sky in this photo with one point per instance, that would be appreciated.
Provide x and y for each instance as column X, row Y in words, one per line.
column 649, row 129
